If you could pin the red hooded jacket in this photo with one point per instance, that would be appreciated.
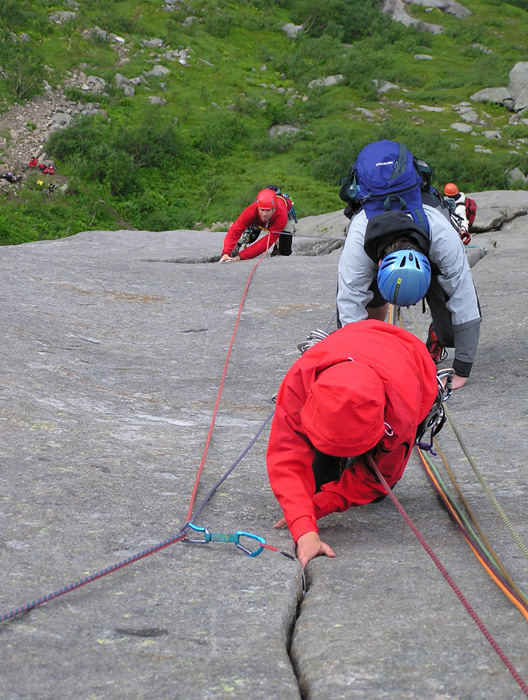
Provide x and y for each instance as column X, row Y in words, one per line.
column 250, row 217
column 365, row 387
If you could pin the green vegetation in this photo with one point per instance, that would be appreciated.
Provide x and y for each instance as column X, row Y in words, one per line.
column 201, row 156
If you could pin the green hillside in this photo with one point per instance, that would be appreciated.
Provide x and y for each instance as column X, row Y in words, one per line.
column 201, row 155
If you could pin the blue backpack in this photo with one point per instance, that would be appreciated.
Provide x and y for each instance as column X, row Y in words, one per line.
column 386, row 177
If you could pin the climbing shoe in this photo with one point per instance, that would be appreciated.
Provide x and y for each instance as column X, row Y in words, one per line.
column 435, row 349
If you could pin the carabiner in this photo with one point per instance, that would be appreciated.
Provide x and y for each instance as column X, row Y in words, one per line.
column 445, row 389
column 249, row 552
column 196, row 528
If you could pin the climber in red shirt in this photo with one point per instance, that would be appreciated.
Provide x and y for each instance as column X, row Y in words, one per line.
column 364, row 388
column 267, row 214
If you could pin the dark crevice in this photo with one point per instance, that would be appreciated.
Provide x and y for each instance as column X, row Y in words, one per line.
column 314, row 250
column 145, row 632
column 290, row 634
column 185, row 260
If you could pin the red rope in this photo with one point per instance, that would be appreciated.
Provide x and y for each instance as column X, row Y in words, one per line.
column 215, row 410
column 445, row 574
column 181, row 535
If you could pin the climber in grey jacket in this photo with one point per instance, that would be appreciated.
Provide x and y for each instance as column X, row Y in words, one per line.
column 451, row 295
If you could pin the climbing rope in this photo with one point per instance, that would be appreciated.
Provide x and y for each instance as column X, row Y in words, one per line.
column 222, row 382
column 477, row 542
column 486, row 488
column 180, row 537
column 471, row 516
column 183, row 532
column 448, row 578
column 503, row 580
column 92, row 577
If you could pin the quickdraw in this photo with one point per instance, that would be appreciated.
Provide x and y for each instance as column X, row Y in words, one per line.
column 234, row 537
column 225, row 537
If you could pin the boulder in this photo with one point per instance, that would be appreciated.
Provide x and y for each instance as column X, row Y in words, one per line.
column 498, row 95
column 62, row 17
column 450, row 7
column 518, row 85
column 293, row 30
column 326, row 82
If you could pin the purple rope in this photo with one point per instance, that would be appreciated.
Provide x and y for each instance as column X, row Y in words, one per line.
column 140, row 555
column 92, row 577
column 228, row 472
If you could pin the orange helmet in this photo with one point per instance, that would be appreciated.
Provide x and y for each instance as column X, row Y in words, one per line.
column 450, row 189
column 266, row 199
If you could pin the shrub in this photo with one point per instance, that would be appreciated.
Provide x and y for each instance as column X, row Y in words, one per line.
column 22, row 70
column 103, row 151
column 335, row 151
column 221, row 133
column 218, row 23
column 18, row 16
column 357, row 19
column 312, row 57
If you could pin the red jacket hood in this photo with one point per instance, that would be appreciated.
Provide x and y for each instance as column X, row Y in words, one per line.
column 344, row 409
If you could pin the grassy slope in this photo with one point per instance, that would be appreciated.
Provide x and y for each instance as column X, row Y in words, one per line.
column 215, row 111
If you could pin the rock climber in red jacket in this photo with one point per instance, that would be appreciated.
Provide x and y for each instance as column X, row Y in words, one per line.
column 269, row 214
column 364, row 388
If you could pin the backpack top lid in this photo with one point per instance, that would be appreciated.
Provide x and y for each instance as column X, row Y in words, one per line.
column 385, row 178
column 385, row 167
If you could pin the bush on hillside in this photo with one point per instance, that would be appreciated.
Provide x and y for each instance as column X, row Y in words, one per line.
column 335, row 153
column 218, row 23
column 17, row 16
column 148, row 144
column 113, row 155
column 22, row 69
column 356, row 20
column 221, row 133
column 312, row 58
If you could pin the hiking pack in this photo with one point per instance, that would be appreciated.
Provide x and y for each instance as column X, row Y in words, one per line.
column 292, row 214
column 386, row 177
column 471, row 210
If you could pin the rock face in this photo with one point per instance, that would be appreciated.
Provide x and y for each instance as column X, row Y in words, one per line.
column 450, row 7
column 396, row 10
column 113, row 350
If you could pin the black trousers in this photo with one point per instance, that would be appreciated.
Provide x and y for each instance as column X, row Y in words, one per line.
column 285, row 244
column 325, row 468
column 328, row 468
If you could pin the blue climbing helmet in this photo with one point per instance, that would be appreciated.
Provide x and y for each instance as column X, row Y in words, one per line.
column 404, row 277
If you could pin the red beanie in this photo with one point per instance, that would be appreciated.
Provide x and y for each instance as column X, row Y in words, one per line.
column 345, row 410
